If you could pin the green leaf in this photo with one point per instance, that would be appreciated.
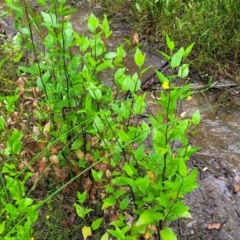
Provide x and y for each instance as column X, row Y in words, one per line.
column 128, row 84
column 140, row 104
column 139, row 58
column 120, row 55
column 170, row 43
column 123, row 136
column 116, row 233
column 139, row 152
column 11, row 210
column 191, row 178
column 138, row 7
column 87, row 232
column 110, row 55
column 177, row 58
column 50, row 19
column 42, row 2
column 183, row 71
column 183, row 170
column 124, row 203
column 119, row 73
column 162, row 77
column 128, row 169
column 137, row 230
column 123, row 181
column 105, row 236
column 96, row 223
column 77, row 144
column 82, row 196
column 142, row 183
column 15, row 187
column 97, row 175
column 98, row 124
column 24, row 31
column 95, row 92
column 1, row 123
column 91, row 60
column 108, row 202
column 166, row 56
column 2, row 227
column 168, row 234
column 106, row 28
column 148, row 217
column 33, row 214
column 92, row 23
column 104, row 65
column 24, row 203
column 80, row 211
column 196, row 117
column 88, row 103
column 188, row 50
column 178, row 210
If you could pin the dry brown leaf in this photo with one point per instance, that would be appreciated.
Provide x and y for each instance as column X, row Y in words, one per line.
column 130, row 219
column 54, row 160
column 87, row 184
column 15, row 116
column 42, row 165
column 148, row 234
column 79, row 153
column 35, row 102
column 64, row 223
column 113, row 216
column 115, row 93
column 108, row 173
column 92, row 195
column 101, row 166
column 212, row 226
column 183, row 114
column 23, row 164
column 135, row 39
column 89, row 157
column 72, row 220
column 41, row 145
column 27, row 103
column 53, row 150
column 94, row 142
column 36, row 130
column 21, row 84
column 46, row 129
column 236, row 188
column 23, row 152
column 35, row 92
column 60, row 173
column 102, row 154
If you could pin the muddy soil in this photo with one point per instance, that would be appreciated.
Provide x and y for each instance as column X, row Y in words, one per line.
column 215, row 205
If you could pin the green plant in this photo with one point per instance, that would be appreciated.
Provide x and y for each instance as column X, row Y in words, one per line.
column 212, row 25
column 18, row 211
column 150, row 188
column 99, row 130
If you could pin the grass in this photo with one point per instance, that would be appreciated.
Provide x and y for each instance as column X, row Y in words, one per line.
column 212, row 25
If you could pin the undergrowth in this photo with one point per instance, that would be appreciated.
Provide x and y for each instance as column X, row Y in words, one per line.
column 212, row 25
column 77, row 144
